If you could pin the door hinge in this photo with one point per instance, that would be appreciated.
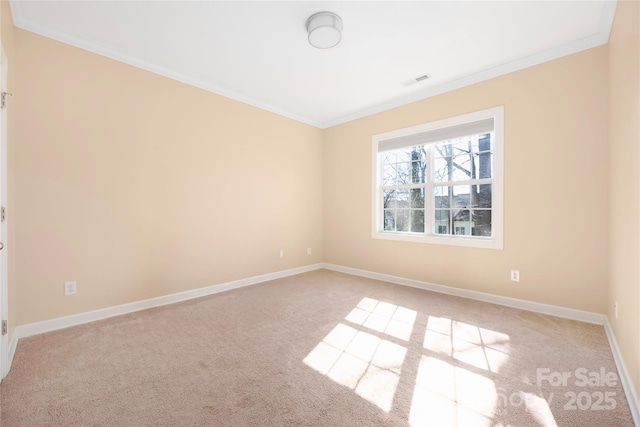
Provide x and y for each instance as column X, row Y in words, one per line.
column 4, row 327
column 3, row 214
column 3, row 99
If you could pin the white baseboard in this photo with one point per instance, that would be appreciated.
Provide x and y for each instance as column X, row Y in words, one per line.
column 553, row 310
column 627, row 384
column 12, row 350
column 91, row 316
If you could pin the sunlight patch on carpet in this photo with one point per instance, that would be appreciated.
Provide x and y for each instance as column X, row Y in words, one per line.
column 383, row 317
column 478, row 347
column 362, row 361
column 366, row 352
column 450, row 395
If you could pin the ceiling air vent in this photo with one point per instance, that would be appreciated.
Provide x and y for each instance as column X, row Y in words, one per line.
column 415, row 80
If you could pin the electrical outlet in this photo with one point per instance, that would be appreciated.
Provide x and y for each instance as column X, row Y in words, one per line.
column 69, row 288
column 308, row 251
column 281, row 253
column 615, row 307
column 515, row 275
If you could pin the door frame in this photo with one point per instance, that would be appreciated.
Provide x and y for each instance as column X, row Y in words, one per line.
column 4, row 304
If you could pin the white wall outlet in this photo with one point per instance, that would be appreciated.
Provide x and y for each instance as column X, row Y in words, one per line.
column 308, row 251
column 615, row 308
column 281, row 253
column 515, row 275
column 69, row 288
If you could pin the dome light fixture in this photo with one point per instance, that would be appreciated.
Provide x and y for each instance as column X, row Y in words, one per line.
column 325, row 30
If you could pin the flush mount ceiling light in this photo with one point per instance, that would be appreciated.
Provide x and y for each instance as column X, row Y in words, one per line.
column 325, row 29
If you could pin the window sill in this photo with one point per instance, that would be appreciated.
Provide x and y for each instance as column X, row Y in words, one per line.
column 464, row 241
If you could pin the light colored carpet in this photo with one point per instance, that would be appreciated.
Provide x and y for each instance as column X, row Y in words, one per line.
column 318, row 349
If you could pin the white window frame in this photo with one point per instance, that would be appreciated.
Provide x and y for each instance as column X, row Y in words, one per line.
column 428, row 236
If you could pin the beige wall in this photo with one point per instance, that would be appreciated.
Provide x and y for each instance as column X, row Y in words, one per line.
column 7, row 40
column 624, row 137
column 555, row 180
column 138, row 186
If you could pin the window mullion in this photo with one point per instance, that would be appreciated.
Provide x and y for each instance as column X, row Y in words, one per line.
column 465, row 182
column 429, row 205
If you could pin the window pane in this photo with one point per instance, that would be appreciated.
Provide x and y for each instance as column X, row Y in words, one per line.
column 473, row 166
column 402, row 198
column 482, row 157
column 419, row 152
column 484, row 165
column 482, row 223
column 480, row 165
column 461, row 146
column 403, row 222
column 403, row 173
column 481, row 196
column 480, row 143
column 417, row 221
column 476, row 143
column 417, row 197
column 460, row 196
column 386, row 158
column 443, row 149
column 484, row 142
column 441, row 225
column 388, row 177
column 418, row 164
column 389, row 199
column 461, row 222
column 395, row 199
column 418, row 172
column 442, row 198
column 462, row 159
column 389, row 220
column 442, row 169
column 402, row 167
column 389, row 160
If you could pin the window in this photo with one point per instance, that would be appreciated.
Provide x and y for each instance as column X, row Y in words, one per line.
column 441, row 182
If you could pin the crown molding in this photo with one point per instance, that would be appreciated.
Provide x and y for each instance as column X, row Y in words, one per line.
column 111, row 53
column 597, row 39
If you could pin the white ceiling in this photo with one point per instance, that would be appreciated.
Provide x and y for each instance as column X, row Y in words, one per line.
column 257, row 52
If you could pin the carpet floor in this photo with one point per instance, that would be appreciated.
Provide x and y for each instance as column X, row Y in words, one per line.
column 318, row 349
